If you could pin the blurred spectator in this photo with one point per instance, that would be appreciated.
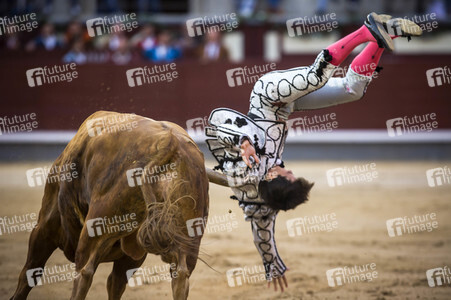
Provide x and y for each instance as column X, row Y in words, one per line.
column 145, row 39
column 75, row 7
column 352, row 8
column 118, row 45
column 121, row 52
column 439, row 8
column 116, row 40
column 274, row 6
column 76, row 54
column 247, row 8
column 75, row 33
column 47, row 39
column 13, row 41
column 164, row 51
column 212, row 48
column 189, row 45
column 47, row 8
column 149, row 6
column 108, row 6
column 321, row 7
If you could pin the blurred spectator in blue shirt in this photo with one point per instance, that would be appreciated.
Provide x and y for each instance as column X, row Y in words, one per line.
column 247, row 8
column 76, row 54
column 164, row 51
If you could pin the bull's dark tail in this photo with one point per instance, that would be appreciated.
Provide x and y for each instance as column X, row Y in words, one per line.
column 163, row 230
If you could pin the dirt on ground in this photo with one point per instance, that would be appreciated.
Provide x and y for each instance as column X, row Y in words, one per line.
column 355, row 235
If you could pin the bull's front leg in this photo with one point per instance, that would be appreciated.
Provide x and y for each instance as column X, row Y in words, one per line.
column 117, row 280
column 39, row 250
column 89, row 254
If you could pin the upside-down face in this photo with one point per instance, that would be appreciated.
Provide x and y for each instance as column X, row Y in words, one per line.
column 279, row 171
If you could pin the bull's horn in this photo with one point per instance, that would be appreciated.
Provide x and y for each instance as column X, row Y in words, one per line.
column 218, row 178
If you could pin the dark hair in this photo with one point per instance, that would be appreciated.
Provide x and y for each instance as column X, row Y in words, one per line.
column 282, row 194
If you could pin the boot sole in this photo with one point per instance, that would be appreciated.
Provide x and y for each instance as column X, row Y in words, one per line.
column 407, row 27
column 376, row 27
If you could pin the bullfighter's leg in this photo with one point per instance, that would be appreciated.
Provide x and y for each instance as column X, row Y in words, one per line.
column 117, row 280
column 285, row 87
column 360, row 72
column 347, row 89
column 40, row 247
column 89, row 254
column 372, row 31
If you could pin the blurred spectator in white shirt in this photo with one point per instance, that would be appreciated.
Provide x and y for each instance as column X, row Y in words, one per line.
column 212, row 48
column 145, row 39
column 47, row 39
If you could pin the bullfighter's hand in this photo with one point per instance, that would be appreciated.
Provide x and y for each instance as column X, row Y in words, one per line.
column 247, row 151
column 281, row 281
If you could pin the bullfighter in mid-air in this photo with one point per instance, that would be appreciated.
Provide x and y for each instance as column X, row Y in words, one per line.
column 249, row 147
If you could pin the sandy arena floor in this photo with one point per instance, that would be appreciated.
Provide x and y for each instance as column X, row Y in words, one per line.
column 361, row 237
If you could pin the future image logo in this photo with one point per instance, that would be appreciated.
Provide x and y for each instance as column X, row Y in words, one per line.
column 235, row 277
column 111, row 124
column 109, row 225
column 411, row 125
column 149, row 175
column 416, row 23
column 56, row 173
column 196, row 126
column 248, row 75
column 13, row 224
column 216, row 223
column 195, row 227
column 410, row 225
column 18, row 23
column 34, row 276
column 308, row 25
column 114, row 24
column 349, row 175
column 35, row 77
column 18, row 123
column 438, row 76
column 346, row 275
column 54, row 74
column 200, row 26
column 149, row 75
column 438, row 176
column 150, row 275
column 48, row 275
column 36, row 177
column 314, row 124
column 438, row 276
column 313, row 224
column 246, row 275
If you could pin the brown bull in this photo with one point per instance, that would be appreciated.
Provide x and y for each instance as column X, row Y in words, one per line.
column 105, row 148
